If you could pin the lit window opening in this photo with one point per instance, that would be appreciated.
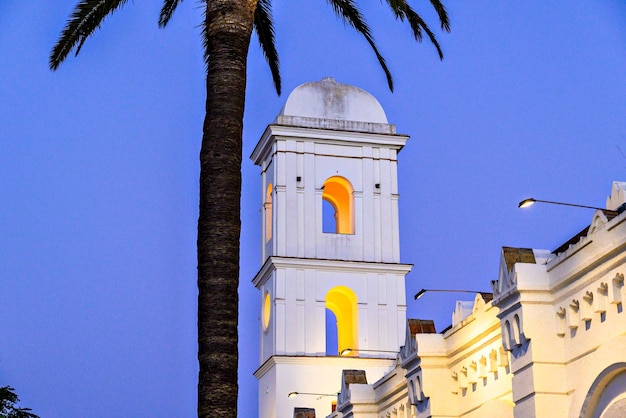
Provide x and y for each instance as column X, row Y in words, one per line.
column 342, row 302
column 339, row 193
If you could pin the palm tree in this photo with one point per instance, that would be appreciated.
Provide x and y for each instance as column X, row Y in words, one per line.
column 226, row 32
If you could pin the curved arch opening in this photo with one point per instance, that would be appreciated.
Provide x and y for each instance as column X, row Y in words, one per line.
column 606, row 397
column 412, row 394
column 506, row 338
column 517, row 331
column 338, row 192
column 342, row 302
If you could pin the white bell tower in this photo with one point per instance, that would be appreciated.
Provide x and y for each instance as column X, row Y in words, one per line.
column 330, row 145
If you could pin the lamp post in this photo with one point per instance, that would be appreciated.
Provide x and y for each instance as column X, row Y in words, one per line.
column 530, row 201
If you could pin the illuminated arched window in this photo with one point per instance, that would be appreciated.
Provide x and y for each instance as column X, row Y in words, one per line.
column 267, row 207
column 332, row 345
column 343, row 303
column 338, row 192
column 266, row 311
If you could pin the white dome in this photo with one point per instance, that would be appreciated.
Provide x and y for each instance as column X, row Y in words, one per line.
column 327, row 99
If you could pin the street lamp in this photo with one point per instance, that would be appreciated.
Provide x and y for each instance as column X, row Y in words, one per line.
column 347, row 351
column 421, row 292
column 530, row 201
column 294, row 394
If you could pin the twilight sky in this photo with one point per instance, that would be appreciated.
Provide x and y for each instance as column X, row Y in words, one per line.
column 98, row 174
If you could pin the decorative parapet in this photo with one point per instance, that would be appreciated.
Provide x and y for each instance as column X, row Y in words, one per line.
column 579, row 310
column 479, row 369
column 410, row 361
column 615, row 205
column 618, row 195
column 473, row 354
column 414, row 326
column 349, row 377
column 507, row 278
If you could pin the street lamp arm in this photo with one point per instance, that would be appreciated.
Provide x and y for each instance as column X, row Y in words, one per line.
column 527, row 202
column 294, row 394
column 347, row 351
column 421, row 292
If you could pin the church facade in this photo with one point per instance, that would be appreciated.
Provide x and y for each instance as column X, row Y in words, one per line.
column 549, row 341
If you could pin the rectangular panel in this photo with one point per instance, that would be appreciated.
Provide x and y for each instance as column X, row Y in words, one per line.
column 382, row 289
column 300, row 328
column 300, row 285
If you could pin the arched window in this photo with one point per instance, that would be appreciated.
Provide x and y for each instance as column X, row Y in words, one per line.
column 339, row 193
column 342, row 301
column 607, row 395
column 517, row 331
column 506, row 338
column 418, row 389
column 329, row 223
column 267, row 207
column 332, row 345
column 412, row 394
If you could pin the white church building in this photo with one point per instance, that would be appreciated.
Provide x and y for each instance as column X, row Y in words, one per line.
column 550, row 341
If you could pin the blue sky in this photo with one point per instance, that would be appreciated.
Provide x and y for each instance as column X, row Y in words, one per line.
column 98, row 174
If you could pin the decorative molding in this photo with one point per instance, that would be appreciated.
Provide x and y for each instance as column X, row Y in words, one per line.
column 273, row 263
column 277, row 132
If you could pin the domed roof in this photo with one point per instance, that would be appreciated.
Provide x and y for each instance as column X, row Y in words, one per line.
column 327, row 99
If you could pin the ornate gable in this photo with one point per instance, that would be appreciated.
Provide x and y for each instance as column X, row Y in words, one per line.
column 507, row 279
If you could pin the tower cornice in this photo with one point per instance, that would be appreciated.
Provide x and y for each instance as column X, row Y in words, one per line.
column 272, row 263
column 365, row 137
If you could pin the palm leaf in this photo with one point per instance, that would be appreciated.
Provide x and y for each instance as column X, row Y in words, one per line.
column 443, row 14
column 263, row 24
column 348, row 12
column 205, row 38
column 167, row 11
column 417, row 23
column 398, row 7
column 402, row 10
column 86, row 18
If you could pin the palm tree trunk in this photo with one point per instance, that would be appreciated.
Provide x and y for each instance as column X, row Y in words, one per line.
column 227, row 36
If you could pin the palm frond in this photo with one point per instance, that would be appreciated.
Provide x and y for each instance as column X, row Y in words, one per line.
column 85, row 19
column 397, row 7
column 402, row 10
column 167, row 11
column 264, row 26
column 417, row 24
column 348, row 12
column 205, row 37
column 443, row 14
